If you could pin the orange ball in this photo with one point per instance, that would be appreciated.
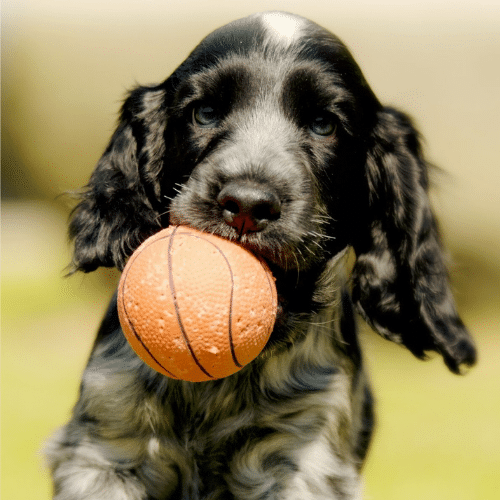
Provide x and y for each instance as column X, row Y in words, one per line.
column 195, row 306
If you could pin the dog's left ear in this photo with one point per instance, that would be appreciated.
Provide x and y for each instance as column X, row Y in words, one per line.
column 120, row 206
column 400, row 281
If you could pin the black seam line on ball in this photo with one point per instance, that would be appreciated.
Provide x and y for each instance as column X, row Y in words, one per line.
column 230, row 329
column 176, row 305
column 138, row 337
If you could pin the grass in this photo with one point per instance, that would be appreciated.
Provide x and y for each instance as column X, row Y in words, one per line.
column 438, row 434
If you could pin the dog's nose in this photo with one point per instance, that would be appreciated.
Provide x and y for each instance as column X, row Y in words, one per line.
column 248, row 206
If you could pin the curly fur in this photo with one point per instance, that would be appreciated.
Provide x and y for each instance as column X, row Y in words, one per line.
column 272, row 113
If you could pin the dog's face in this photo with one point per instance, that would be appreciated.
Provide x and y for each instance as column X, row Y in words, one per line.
column 269, row 135
column 265, row 132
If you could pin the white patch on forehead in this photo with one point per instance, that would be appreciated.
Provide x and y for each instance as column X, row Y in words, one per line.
column 282, row 28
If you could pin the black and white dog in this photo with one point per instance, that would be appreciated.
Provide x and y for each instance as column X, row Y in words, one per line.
column 267, row 135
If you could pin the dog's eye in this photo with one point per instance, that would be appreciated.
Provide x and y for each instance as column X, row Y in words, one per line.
column 205, row 116
column 323, row 125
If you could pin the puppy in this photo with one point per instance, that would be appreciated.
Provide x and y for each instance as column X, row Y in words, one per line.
column 267, row 135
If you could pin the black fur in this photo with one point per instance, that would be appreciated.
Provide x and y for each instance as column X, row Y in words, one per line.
column 268, row 135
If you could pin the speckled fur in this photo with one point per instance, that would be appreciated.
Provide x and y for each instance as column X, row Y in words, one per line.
column 296, row 423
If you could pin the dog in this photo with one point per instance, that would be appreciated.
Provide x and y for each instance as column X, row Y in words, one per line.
column 268, row 135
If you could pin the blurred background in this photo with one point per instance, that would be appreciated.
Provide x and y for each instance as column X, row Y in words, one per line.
column 66, row 68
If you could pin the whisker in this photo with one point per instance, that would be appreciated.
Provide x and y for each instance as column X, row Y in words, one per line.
column 321, row 236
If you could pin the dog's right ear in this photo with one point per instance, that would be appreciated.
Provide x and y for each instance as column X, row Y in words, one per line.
column 120, row 206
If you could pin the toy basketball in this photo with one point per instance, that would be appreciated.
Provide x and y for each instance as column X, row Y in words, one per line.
column 195, row 306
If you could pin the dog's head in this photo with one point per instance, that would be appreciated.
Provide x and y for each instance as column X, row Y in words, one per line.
column 269, row 135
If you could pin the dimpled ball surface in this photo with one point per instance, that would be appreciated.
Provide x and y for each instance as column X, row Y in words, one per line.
column 195, row 306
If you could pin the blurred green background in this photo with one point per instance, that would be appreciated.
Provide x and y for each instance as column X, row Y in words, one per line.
column 66, row 67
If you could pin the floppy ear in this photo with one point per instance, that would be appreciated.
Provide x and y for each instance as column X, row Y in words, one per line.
column 400, row 281
column 120, row 206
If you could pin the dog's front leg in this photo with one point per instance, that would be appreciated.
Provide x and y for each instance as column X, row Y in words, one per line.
column 82, row 471
column 119, row 444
